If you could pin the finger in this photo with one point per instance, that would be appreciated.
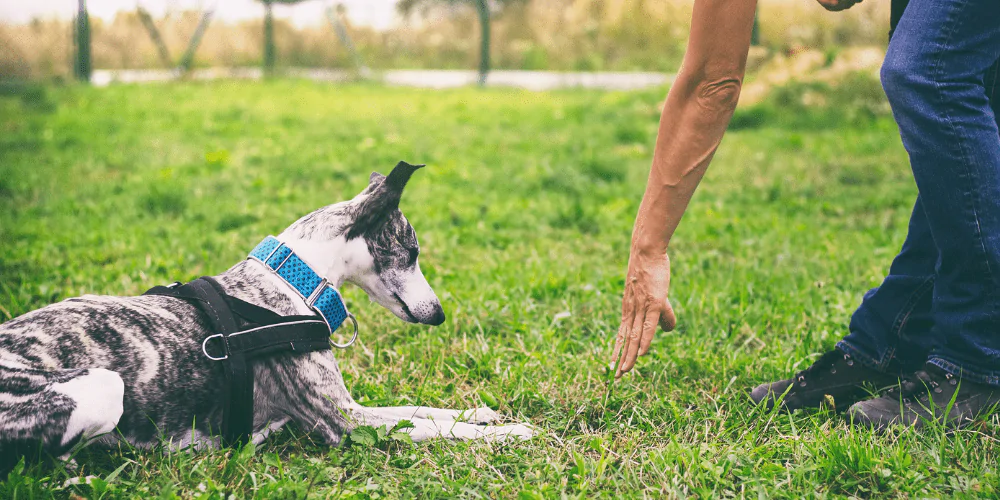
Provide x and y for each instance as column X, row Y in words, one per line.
column 645, row 325
column 619, row 344
column 631, row 348
column 628, row 306
column 625, row 331
column 648, row 330
column 668, row 320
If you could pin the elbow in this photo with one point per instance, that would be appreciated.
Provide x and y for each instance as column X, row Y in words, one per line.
column 719, row 94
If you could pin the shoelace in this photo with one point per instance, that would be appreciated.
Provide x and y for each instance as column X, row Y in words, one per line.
column 922, row 385
column 828, row 360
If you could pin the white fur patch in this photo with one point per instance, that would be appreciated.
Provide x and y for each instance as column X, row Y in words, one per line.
column 429, row 429
column 99, row 396
column 418, row 295
column 481, row 416
column 259, row 437
column 515, row 432
column 194, row 439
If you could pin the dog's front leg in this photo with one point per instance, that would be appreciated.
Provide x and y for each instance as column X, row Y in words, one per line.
column 309, row 390
column 479, row 416
column 424, row 428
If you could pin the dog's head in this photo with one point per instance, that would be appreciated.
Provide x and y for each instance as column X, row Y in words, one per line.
column 376, row 246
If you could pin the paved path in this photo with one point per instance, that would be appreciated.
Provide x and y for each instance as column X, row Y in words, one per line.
column 438, row 79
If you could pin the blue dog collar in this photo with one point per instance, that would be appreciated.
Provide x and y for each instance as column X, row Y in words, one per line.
column 319, row 294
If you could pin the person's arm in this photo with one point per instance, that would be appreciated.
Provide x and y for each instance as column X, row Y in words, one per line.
column 697, row 111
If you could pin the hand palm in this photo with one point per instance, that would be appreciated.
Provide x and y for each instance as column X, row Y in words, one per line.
column 644, row 305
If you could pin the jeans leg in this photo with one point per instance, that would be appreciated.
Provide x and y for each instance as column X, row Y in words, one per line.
column 935, row 75
column 894, row 320
column 992, row 84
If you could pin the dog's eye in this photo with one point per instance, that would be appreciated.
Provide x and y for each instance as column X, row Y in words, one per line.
column 414, row 252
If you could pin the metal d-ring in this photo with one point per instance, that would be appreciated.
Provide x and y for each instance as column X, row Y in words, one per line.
column 204, row 347
column 353, row 338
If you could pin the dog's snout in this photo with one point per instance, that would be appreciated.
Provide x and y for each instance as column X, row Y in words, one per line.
column 428, row 312
column 437, row 316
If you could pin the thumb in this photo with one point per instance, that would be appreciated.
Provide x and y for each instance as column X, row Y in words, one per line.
column 668, row 320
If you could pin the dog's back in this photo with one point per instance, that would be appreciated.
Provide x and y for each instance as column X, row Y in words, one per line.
column 62, row 366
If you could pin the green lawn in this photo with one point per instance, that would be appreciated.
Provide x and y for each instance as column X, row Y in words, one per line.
column 524, row 217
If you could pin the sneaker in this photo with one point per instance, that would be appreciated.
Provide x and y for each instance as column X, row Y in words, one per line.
column 834, row 374
column 929, row 394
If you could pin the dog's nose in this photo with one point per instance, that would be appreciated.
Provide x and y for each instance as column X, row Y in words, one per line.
column 437, row 317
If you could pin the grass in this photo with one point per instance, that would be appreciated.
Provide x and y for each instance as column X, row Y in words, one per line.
column 524, row 216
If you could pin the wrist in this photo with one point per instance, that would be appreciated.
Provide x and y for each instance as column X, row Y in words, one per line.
column 649, row 246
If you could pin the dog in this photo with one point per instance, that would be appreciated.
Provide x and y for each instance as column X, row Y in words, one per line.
column 74, row 371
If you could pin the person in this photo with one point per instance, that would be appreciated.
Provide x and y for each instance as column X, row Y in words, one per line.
column 925, row 344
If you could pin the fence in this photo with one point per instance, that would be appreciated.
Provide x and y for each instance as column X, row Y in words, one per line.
column 567, row 35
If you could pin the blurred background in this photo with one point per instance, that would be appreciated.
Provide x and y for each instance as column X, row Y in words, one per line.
column 50, row 39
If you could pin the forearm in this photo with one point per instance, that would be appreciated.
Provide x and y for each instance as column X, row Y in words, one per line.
column 695, row 116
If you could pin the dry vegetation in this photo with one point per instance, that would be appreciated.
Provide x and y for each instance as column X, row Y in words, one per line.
column 584, row 35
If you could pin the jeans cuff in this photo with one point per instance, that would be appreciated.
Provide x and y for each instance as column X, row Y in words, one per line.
column 848, row 348
column 973, row 375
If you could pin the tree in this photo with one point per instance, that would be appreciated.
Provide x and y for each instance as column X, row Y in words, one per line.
column 269, row 52
column 333, row 15
column 81, row 33
column 484, row 8
column 187, row 59
column 154, row 35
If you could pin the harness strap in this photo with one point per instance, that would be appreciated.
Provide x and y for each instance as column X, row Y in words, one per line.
column 237, row 405
column 261, row 333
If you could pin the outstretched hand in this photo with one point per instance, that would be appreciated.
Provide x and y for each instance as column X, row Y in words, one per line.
column 644, row 305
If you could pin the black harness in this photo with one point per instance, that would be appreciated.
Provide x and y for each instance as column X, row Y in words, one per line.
column 242, row 333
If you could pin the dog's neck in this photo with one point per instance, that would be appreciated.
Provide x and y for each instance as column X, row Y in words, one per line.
column 338, row 261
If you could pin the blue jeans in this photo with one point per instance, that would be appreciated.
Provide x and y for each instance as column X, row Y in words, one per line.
column 941, row 300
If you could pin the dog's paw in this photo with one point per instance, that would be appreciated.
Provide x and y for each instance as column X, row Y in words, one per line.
column 481, row 416
column 73, row 481
column 514, row 432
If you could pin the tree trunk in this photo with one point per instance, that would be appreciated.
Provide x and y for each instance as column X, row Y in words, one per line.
column 81, row 66
column 187, row 60
column 268, row 39
column 484, row 44
column 154, row 35
column 345, row 38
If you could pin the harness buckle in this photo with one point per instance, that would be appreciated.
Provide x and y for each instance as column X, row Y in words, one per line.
column 353, row 337
column 311, row 299
column 280, row 244
column 204, row 347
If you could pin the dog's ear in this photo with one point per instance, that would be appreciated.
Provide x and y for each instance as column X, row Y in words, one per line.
column 397, row 179
column 374, row 181
column 383, row 198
